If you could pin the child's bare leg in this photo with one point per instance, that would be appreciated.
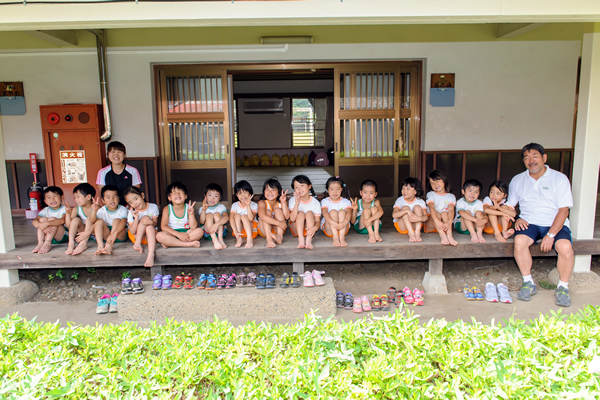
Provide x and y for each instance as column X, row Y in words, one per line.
column 310, row 223
column 405, row 225
column 342, row 232
column 210, row 221
column 443, row 236
column 300, row 229
column 139, row 235
column 266, row 228
column 75, row 227
column 334, row 232
column 151, row 239
column 470, row 226
column 108, row 247
column 506, row 233
column 220, row 231
column 40, row 237
column 493, row 223
column 236, row 228
column 248, row 228
column 479, row 227
column 55, row 232
column 101, row 231
column 376, row 226
column 167, row 240
column 278, row 215
column 366, row 214
column 418, row 211
column 447, row 219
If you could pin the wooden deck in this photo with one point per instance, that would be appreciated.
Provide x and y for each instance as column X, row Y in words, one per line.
column 394, row 247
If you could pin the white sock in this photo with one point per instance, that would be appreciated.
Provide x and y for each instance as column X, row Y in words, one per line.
column 563, row 284
column 527, row 278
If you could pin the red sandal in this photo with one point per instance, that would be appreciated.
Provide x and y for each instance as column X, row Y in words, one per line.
column 178, row 282
column 188, row 282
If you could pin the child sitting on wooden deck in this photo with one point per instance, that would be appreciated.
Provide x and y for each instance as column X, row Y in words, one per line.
column 470, row 218
column 243, row 215
column 178, row 224
column 142, row 219
column 273, row 212
column 50, row 221
column 500, row 215
column 367, row 212
column 110, row 220
column 410, row 210
column 337, row 211
column 81, row 226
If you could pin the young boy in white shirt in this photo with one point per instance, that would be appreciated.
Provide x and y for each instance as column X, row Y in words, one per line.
column 470, row 218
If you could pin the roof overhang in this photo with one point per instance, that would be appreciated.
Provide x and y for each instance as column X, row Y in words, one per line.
column 153, row 14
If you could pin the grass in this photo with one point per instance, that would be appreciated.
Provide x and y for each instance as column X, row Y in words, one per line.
column 388, row 357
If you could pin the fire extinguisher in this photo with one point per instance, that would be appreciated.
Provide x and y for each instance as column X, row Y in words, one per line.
column 35, row 197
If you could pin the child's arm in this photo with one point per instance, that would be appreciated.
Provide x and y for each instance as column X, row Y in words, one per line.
column 378, row 213
column 223, row 220
column 354, row 210
column 466, row 215
column 399, row 213
column 325, row 213
column 284, row 205
column 116, row 230
column 57, row 221
column 266, row 216
column 511, row 212
column 347, row 218
column 70, row 213
column 294, row 210
column 203, row 212
column 133, row 225
column 192, row 215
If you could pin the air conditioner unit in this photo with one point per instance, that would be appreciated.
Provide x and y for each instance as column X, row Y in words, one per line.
column 253, row 106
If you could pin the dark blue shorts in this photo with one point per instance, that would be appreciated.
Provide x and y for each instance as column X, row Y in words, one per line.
column 536, row 233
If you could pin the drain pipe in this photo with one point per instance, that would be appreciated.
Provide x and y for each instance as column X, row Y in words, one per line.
column 103, row 75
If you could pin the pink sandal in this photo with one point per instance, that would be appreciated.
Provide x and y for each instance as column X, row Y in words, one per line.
column 307, row 277
column 357, row 305
column 317, row 277
column 365, row 304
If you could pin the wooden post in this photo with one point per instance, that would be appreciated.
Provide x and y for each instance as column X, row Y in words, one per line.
column 298, row 267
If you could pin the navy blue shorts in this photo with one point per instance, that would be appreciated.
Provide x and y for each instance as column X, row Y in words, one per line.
column 536, row 233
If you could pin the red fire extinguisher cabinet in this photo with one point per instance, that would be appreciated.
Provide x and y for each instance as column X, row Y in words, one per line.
column 72, row 146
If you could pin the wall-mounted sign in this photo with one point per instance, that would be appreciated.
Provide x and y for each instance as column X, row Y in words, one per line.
column 12, row 98
column 33, row 163
column 442, row 81
column 441, row 92
column 72, row 166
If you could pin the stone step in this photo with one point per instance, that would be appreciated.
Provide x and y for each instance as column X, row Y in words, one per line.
column 231, row 304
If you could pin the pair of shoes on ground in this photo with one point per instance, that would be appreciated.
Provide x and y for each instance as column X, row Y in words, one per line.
column 265, row 281
column 248, row 280
column 182, row 281
column 497, row 293
column 397, row 297
column 288, row 280
column 380, row 303
column 344, row 300
column 212, row 281
column 107, row 303
column 561, row 294
column 162, row 282
column 472, row 293
column 134, row 286
column 313, row 278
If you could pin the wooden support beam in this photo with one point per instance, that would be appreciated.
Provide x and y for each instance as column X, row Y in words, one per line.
column 157, row 269
column 60, row 38
column 509, row 31
column 298, row 267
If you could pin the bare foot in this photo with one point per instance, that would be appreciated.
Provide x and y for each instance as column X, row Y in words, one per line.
column 195, row 243
column 70, row 249
column 79, row 249
column 452, row 241
column 309, row 243
column 164, row 246
column 108, row 248
column 37, row 248
column 377, row 237
column 508, row 233
column 412, row 238
column 45, row 247
column 249, row 243
column 217, row 245
column 149, row 261
column 239, row 241
column 99, row 251
column 418, row 237
column 277, row 238
column 343, row 242
column 301, row 245
column 474, row 238
column 223, row 245
column 444, row 238
column 271, row 244
column 138, row 247
column 372, row 239
column 481, row 238
column 500, row 238
column 336, row 242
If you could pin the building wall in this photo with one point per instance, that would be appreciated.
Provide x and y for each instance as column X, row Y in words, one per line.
column 507, row 92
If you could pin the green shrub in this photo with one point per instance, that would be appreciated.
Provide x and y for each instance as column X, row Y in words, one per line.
column 387, row 357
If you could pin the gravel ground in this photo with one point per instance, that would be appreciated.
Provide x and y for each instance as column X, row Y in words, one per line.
column 358, row 278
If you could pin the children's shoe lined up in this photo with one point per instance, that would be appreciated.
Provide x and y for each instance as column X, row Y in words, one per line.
column 137, row 286
column 103, row 304
column 112, row 307
column 126, row 286
column 157, row 282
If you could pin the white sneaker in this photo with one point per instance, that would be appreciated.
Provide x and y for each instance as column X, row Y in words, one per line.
column 503, row 293
column 490, row 292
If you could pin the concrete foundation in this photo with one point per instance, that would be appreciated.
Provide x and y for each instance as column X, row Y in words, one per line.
column 20, row 292
column 580, row 282
column 231, row 304
column 435, row 284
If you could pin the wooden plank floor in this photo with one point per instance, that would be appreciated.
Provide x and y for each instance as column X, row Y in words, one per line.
column 394, row 247
column 258, row 175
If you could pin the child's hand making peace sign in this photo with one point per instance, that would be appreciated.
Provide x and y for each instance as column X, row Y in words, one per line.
column 354, row 204
column 191, row 206
column 283, row 197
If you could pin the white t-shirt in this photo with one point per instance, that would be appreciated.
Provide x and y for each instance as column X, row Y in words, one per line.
column 237, row 208
column 108, row 216
column 341, row 204
column 49, row 212
column 150, row 211
column 311, row 205
column 540, row 200
column 440, row 201
column 489, row 201
column 463, row 205
column 218, row 209
column 401, row 202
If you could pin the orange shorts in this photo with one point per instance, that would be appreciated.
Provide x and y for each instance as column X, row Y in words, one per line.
column 490, row 231
column 397, row 226
column 330, row 236
column 291, row 230
column 132, row 238
column 425, row 229
column 273, row 230
column 254, row 231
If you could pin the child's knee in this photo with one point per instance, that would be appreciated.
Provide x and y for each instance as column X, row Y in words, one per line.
column 367, row 212
column 279, row 214
column 418, row 211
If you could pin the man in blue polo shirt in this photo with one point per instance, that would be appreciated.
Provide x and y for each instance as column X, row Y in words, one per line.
column 544, row 198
